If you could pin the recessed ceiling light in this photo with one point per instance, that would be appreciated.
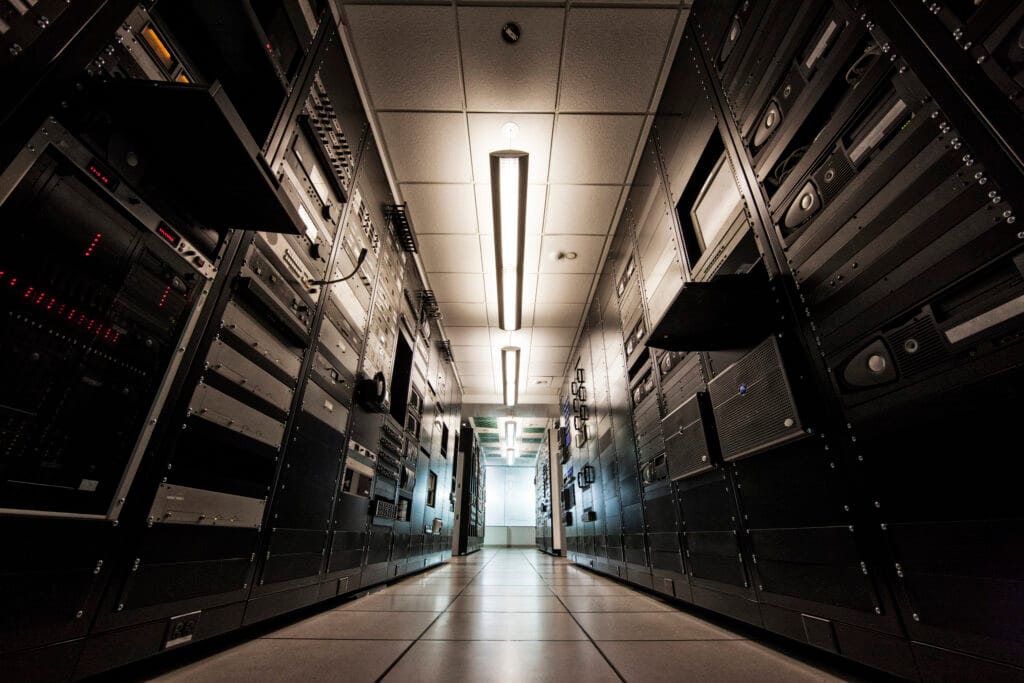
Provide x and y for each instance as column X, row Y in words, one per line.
column 508, row 200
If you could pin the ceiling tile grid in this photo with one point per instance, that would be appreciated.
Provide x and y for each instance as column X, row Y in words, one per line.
column 440, row 82
column 491, row 435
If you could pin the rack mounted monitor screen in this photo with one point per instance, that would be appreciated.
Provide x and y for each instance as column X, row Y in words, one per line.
column 717, row 204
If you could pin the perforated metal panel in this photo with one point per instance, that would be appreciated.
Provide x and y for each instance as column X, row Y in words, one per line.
column 753, row 404
column 687, row 445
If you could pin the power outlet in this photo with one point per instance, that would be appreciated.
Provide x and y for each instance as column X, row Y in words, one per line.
column 181, row 628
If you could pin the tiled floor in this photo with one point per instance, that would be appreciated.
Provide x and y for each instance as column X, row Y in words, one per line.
column 502, row 615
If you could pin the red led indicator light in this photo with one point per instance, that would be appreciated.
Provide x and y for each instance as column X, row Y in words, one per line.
column 167, row 234
column 163, row 298
column 96, row 326
column 99, row 175
column 92, row 245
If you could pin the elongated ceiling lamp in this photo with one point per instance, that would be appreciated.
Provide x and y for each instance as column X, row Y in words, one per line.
column 508, row 200
column 510, row 441
column 510, row 374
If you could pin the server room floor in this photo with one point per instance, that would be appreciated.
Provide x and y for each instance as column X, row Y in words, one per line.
column 505, row 615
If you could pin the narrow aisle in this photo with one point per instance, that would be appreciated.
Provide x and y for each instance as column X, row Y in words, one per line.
column 502, row 615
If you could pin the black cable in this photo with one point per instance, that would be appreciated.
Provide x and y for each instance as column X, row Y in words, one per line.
column 359, row 264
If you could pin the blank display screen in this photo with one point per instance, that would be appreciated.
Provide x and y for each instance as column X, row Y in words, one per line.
column 717, row 204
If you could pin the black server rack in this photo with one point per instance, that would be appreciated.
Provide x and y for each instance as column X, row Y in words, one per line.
column 223, row 377
column 473, row 497
column 792, row 382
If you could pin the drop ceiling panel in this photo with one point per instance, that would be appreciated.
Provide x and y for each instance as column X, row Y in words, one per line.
column 594, row 148
column 563, row 289
column 478, row 382
column 427, row 147
column 550, row 354
column 534, row 137
column 451, row 253
column 474, row 368
column 465, row 288
column 511, row 77
column 557, row 249
column 553, row 336
column 472, row 354
column 441, row 208
column 465, row 314
column 606, row 68
column 409, row 55
column 546, row 369
column 557, row 315
column 469, row 336
column 581, row 209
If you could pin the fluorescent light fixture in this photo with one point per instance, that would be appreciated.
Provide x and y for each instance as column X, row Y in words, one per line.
column 508, row 201
column 510, row 374
column 511, row 453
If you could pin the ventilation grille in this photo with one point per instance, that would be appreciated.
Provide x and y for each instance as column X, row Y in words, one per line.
column 917, row 346
column 686, row 441
column 753, row 405
column 398, row 216
column 833, row 175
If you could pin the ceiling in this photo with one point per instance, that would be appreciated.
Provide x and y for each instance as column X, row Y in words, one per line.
column 530, row 434
column 582, row 84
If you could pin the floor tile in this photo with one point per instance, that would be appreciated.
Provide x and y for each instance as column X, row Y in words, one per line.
column 506, row 603
column 506, row 590
column 600, row 603
column 293, row 660
column 544, row 626
column 442, row 582
column 404, row 589
column 386, row 602
column 501, row 661
column 592, row 589
column 342, row 625
column 650, row 626
column 511, row 580
column 709, row 660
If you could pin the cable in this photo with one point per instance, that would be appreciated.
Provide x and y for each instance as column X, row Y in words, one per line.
column 784, row 167
column 359, row 263
column 860, row 67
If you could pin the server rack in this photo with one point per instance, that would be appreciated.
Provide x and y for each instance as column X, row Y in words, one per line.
column 189, row 298
column 791, row 377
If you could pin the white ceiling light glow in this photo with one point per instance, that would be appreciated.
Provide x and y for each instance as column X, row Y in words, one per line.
column 444, row 91
column 510, row 440
column 508, row 199
column 510, row 374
